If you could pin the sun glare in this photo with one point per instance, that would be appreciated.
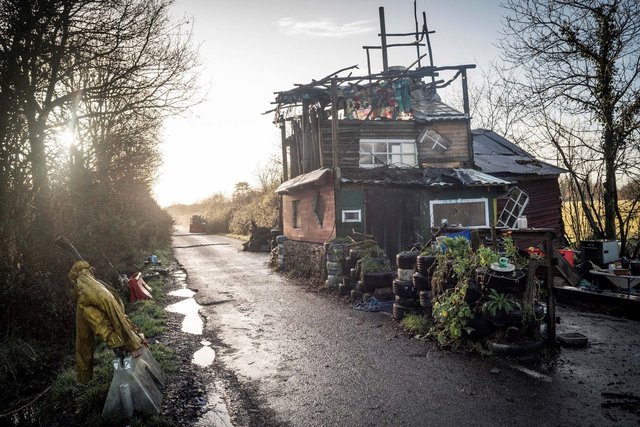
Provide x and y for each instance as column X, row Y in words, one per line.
column 67, row 138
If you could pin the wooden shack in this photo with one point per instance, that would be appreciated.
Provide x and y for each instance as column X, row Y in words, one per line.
column 535, row 181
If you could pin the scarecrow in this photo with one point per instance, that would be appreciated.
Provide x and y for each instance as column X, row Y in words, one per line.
column 100, row 312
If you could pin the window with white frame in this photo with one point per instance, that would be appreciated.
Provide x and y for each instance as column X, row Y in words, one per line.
column 396, row 152
column 518, row 201
column 433, row 141
column 465, row 212
column 352, row 215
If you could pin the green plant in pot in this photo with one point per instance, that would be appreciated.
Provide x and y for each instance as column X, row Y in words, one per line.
column 486, row 256
column 499, row 305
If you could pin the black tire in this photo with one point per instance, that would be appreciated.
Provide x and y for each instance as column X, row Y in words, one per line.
column 400, row 311
column 348, row 282
column 354, row 254
column 407, row 302
column 421, row 282
column 473, row 295
column 514, row 349
column 356, row 295
column 374, row 281
column 424, row 298
column 404, row 289
column 344, row 289
column 406, row 260
column 425, row 264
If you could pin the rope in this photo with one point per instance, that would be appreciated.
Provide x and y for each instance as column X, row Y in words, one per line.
column 26, row 405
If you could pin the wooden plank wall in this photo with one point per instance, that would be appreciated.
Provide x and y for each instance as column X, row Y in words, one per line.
column 350, row 132
column 392, row 215
column 545, row 206
column 310, row 230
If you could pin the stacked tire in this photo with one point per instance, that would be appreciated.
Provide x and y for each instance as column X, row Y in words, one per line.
column 425, row 265
column 280, row 241
column 406, row 296
column 335, row 255
column 349, row 274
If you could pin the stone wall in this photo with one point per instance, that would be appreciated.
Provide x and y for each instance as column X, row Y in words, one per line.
column 303, row 258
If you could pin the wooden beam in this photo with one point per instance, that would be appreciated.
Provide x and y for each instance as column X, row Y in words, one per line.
column 285, row 164
column 383, row 40
column 334, row 123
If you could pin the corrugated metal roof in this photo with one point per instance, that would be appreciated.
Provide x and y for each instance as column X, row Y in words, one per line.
column 494, row 154
column 429, row 177
column 434, row 109
column 307, row 178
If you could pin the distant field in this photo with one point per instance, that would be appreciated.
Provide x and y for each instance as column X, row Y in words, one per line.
column 577, row 228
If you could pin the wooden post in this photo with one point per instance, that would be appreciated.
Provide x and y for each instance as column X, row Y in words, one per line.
column 551, row 300
column 334, row 123
column 383, row 40
column 465, row 100
column 306, row 144
column 285, row 164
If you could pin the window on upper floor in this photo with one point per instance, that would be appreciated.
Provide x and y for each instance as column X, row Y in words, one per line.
column 394, row 152
column 434, row 142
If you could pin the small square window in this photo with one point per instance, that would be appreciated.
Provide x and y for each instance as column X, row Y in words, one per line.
column 352, row 215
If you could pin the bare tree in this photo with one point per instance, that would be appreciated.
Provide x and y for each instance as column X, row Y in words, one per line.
column 577, row 64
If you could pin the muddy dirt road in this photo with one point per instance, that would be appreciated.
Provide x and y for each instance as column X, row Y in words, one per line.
column 288, row 356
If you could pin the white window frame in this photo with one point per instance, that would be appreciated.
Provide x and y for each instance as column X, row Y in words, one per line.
column 351, row 211
column 508, row 218
column 436, row 140
column 387, row 154
column 461, row 201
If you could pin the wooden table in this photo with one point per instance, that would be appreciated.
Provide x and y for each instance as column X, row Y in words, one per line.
column 605, row 273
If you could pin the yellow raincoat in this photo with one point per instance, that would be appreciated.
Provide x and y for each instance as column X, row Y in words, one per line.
column 98, row 312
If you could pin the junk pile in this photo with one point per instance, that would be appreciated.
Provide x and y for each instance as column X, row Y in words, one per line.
column 138, row 378
column 260, row 239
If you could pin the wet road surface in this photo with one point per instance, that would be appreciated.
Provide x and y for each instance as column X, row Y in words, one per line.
column 310, row 360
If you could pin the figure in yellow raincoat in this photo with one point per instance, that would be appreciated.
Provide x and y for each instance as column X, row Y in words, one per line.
column 99, row 312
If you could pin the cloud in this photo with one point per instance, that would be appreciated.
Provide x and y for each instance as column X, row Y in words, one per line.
column 323, row 28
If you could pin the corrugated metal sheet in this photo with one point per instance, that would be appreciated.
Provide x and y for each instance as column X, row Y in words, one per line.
column 429, row 177
column 495, row 154
column 300, row 180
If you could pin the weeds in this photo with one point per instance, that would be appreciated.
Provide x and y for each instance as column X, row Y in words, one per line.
column 416, row 324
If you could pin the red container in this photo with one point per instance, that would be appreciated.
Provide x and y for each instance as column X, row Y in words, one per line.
column 568, row 255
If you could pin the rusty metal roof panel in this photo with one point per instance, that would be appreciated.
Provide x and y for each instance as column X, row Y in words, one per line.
column 312, row 177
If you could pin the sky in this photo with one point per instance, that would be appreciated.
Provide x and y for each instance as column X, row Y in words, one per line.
column 250, row 49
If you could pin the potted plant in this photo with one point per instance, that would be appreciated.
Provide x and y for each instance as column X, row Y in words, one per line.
column 500, row 306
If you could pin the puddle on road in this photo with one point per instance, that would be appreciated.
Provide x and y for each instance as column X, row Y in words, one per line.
column 192, row 323
column 217, row 414
column 205, row 356
column 183, row 293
